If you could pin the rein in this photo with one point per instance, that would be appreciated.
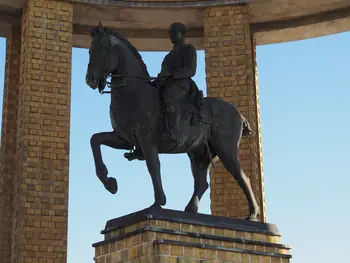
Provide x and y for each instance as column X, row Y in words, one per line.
column 111, row 85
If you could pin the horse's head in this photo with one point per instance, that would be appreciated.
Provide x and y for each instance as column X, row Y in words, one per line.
column 110, row 53
column 103, row 58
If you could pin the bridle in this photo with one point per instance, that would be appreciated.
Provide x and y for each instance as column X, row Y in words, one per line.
column 112, row 85
column 118, row 77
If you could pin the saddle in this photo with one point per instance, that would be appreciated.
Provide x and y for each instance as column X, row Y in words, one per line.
column 195, row 95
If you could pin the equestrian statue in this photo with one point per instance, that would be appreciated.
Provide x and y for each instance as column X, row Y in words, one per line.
column 164, row 115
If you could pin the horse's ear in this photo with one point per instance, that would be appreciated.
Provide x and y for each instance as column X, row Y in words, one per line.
column 100, row 26
column 93, row 31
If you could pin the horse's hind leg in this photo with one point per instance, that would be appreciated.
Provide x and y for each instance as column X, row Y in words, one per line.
column 199, row 166
column 226, row 148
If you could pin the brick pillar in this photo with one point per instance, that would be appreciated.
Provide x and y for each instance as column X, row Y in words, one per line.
column 41, row 182
column 231, row 75
column 8, row 140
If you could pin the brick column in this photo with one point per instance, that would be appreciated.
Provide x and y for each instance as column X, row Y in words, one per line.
column 8, row 140
column 231, row 74
column 41, row 182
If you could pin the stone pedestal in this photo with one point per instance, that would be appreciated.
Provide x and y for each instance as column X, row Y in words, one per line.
column 162, row 236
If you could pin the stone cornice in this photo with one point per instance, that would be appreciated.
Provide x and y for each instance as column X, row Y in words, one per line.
column 174, row 4
column 317, row 18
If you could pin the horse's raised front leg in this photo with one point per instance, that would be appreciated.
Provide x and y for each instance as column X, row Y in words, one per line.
column 113, row 140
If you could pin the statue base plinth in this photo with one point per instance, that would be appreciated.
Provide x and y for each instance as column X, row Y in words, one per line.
column 168, row 236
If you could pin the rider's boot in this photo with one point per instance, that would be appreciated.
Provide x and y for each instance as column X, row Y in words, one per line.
column 136, row 154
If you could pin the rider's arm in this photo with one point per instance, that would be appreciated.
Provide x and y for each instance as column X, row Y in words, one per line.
column 165, row 70
column 189, row 66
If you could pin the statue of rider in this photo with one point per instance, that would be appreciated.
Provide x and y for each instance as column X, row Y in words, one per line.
column 175, row 81
column 175, row 78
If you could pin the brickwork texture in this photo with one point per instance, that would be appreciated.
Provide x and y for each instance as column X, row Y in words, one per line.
column 161, row 241
column 40, row 186
column 8, row 140
column 231, row 75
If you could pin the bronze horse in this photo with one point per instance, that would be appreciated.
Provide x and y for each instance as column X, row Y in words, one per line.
column 137, row 118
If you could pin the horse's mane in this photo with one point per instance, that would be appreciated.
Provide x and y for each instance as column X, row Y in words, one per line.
column 133, row 49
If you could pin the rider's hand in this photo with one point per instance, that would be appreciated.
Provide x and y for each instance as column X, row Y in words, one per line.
column 161, row 78
column 159, row 82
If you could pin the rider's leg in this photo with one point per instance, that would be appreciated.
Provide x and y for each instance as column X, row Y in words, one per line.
column 173, row 97
column 172, row 114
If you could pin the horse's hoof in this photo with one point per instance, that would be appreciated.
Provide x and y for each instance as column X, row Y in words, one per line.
column 111, row 185
column 159, row 202
column 191, row 209
column 156, row 206
column 253, row 217
column 162, row 200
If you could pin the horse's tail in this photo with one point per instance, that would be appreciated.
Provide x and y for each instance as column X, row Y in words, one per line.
column 247, row 130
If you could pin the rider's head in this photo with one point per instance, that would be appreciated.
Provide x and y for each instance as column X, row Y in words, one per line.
column 177, row 33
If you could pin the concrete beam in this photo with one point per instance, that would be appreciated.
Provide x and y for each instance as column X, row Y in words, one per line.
column 12, row 3
column 304, row 27
column 142, row 44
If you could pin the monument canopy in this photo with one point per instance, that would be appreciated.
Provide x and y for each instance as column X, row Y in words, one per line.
column 145, row 23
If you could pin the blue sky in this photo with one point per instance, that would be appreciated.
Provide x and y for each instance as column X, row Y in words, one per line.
column 304, row 96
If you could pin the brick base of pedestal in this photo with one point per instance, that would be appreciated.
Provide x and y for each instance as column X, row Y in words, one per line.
column 167, row 236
